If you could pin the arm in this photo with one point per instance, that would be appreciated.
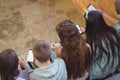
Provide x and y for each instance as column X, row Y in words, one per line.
column 89, row 47
column 57, row 50
column 117, row 15
column 24, row 64
column 112, row 19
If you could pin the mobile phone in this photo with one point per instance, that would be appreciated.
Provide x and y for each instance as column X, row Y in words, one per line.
column 30, row 57
column 90, row 7
column 57, row 44
column 78, row 27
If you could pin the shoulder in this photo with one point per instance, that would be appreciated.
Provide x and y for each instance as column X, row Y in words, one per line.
column 117, row 26
column 35, row 75
column 59, row 60
column 89, row 47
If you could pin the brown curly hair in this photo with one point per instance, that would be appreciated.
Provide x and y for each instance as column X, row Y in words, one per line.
column 75, row 52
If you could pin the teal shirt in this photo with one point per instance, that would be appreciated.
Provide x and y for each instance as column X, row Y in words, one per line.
column 55, row 71
column 98, row 69
column 117, row 28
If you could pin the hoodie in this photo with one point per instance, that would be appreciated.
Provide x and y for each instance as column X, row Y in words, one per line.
column 54, row 71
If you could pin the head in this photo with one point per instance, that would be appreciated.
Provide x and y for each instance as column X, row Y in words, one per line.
column 68, row 33
column 117, row 6
column 42, row 51
column 98, row 32
column 8, row 64
column 95, row 23
column 74, row 50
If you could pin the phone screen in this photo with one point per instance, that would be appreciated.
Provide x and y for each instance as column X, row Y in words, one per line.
column 91, row 7
column 30, row 57
column 79, row 29
column 57, row 44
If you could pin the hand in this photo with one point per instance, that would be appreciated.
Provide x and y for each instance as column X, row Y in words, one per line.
column 53, row 46
column 99, row 10
column 117, row 15
column 83, row 29
column 102, row 12
column 57, row 50
column 22, row 62
column 36, row 63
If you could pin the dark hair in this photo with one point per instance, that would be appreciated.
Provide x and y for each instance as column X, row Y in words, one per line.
column 42, row 50
column 8, row 64
column 117, row 6
column 99, row 33
column 75, row 52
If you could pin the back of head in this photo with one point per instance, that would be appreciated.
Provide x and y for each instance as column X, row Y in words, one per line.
column 95, row 23
column 8, row 64
column 98, row 32
column 68, row 34
column 41, row 50
column 96, row 27
column 117, row 6
column 74, row 50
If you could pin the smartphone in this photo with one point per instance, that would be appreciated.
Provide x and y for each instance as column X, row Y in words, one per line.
column 79, row 29
column 57, row 44
column 30, row 57
column 90, row 7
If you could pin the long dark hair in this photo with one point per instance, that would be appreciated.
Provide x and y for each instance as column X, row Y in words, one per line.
column 75, row 52
column 8, row 65
column 100, row 36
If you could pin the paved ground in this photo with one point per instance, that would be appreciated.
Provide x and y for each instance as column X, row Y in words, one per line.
column 24, row 21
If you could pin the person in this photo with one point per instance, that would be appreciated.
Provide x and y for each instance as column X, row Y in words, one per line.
column 115, row 21
column 75, row 51
column 103, row 40
column 48, row 70
column 117, row 7
column 9, row 66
